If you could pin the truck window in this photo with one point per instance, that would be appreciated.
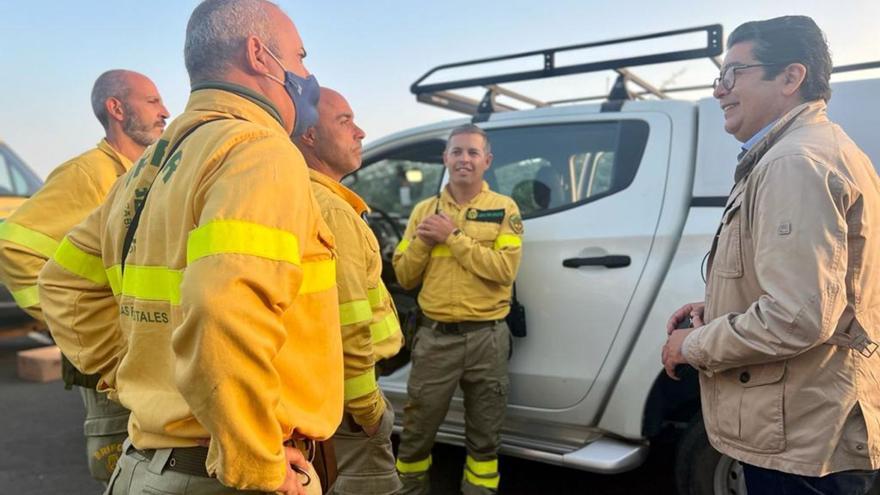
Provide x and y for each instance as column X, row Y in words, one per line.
column 554, row 167
column 395, row 182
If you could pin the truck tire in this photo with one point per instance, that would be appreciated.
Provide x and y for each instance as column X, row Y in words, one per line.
column 702, row 470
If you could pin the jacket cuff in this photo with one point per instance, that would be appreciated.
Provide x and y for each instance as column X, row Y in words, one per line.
column 458, row 244
column 264, row 477
column 691, row 350
column 371, row 414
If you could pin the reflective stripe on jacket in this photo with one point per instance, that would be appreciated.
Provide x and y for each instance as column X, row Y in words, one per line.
column 224, row 324
column 469, row 277
column 370, row 326
column 797, row 261
column 31, row 234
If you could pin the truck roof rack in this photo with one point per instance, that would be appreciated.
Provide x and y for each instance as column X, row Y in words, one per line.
column 439, row 94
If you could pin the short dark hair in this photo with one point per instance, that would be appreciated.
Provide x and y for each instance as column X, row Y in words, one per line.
column 787, row 40
column 471, row 129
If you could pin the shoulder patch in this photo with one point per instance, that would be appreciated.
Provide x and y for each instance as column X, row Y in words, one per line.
column 516, row 223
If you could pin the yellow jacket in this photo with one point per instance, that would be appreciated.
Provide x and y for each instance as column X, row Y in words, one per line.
column 370, row 326
column 469, row 277
column 222, row 324
column 31, row 234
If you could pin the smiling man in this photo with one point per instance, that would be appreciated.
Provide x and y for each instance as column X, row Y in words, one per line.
column 464, row 246
column 785, row 340
column 129, row 107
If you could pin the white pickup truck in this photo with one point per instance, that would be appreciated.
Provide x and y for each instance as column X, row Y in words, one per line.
column 620, row 199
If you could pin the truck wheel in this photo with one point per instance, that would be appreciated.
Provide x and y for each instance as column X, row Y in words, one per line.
column 702, row 470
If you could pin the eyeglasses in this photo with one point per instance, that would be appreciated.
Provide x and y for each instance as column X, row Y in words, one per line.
column 727, row 78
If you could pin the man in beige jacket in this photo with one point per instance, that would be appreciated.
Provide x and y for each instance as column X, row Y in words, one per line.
column 785, row 341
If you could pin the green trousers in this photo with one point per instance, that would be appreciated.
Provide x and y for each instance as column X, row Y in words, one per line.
column 105, row 428
column 365, row 464
column 442, row 360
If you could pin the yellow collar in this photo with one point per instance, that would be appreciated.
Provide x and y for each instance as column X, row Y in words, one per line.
column 121, row 160
column 446, row 196
column 350, row 197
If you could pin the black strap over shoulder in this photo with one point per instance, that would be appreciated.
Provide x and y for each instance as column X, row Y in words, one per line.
column 139, row 206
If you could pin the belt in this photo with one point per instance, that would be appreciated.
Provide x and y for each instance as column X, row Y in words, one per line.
column 186, row 460
column 461, row 326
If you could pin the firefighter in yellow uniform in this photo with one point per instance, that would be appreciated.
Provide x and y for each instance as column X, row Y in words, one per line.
column 464, row 246
column 203, row 291
column 128, row 106
column 370, row 326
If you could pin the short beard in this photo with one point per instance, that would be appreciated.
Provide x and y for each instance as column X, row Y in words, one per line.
column 139, row 132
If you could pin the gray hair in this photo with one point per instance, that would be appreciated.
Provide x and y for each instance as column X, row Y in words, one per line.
column 111, row 84
column 217, row 29
column 471, row 129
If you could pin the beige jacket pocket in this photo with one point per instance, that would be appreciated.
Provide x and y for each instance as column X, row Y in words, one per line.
column 728, row 259
column 751, row 411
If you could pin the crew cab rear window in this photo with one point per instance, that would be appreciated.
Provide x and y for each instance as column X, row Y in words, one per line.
column 554, row 167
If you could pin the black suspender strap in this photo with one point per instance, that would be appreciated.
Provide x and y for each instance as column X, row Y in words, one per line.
column 139, row 205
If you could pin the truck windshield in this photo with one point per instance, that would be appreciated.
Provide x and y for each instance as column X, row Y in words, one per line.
column 16, row 178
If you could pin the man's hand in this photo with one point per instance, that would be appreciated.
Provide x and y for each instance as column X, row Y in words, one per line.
column 672, row 355
column 692, row 310
column 435, row 229
column 293, row 481
column 372, row 429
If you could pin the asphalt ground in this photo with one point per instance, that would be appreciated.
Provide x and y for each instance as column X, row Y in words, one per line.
column 42, row 450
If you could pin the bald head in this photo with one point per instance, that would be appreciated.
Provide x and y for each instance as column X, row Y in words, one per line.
column 333, row 145
column 117, row 84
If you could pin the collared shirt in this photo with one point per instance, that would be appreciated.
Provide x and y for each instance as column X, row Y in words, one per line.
column 746, row 146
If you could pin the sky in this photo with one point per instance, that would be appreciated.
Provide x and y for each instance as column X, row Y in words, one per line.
column 51, row 51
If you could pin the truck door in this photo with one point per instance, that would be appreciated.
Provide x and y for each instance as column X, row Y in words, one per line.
column 590, row 193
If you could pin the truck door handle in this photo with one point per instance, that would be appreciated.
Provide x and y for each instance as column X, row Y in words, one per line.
column 610, row 261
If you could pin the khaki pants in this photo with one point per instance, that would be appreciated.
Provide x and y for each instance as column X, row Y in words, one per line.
column 365, row 464
column 105, row 428
column 137, row 474
column 476, row 360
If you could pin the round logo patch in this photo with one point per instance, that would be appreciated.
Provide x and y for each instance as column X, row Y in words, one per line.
column 471, row 214
column 516, row 224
